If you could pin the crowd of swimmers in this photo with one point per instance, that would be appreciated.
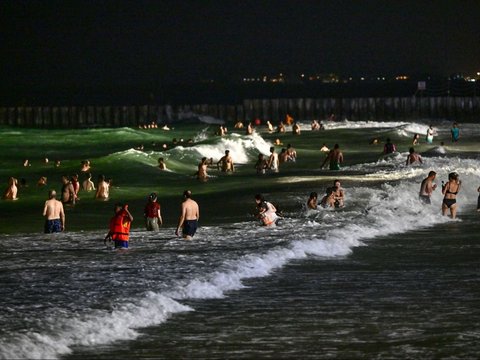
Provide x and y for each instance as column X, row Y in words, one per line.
column 334, row 196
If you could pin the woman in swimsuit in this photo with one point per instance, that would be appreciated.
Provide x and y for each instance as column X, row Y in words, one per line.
column 450, row 190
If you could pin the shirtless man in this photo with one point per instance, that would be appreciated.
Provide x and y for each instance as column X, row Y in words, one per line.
column 413, row 157
column 103, row 189
column 226, row 162
column 427, row 187
column 189, row 216
column 68, row 192
column 335, row 157
column 283, row 156
column 273, row 162
column 55, row 216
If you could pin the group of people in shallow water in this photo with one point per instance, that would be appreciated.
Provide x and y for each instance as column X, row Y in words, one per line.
column 450, row 190
column 119, row 227
column 334, row 197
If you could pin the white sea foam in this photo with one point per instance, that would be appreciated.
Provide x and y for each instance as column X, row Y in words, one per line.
column 242, row 148
column 62, row 331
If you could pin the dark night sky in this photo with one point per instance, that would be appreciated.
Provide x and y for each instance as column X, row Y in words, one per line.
column 97, row 43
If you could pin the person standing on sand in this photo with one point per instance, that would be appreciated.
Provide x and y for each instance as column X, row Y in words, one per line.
column 427, row 187
column 189, row 216
column 55, row 216
column 103, row 189
column 152, row 214
column 335, row 157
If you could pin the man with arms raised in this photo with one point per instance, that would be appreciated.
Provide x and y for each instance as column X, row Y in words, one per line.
column 189, row 216
column 55, row 216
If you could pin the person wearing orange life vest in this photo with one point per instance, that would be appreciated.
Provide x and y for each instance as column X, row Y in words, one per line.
column 120, row 226
column 267, row 213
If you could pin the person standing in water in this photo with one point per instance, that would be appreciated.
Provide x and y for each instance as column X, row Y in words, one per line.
column 389, row 147
column 261, row 165
column 266, row 212
column 88, row 184
column 312, row 202
column 292, row 153
column 202, row 170
column 12, row 189
column 413, row 157
column 450, row 191
column 226, row 162
column 335, row 157
column 68, row 192
column 120, row 226
column 455, row 131
column 427, row 187
column 152, row 214
column 430, row 133
column 339, row 194
column 273, row 161
column 103, row 189
column 54, row 214
column 190, row 213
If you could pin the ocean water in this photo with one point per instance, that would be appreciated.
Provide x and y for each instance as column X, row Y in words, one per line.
column 384, row 277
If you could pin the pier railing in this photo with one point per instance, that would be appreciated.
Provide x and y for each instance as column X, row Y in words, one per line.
column 274, row 110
